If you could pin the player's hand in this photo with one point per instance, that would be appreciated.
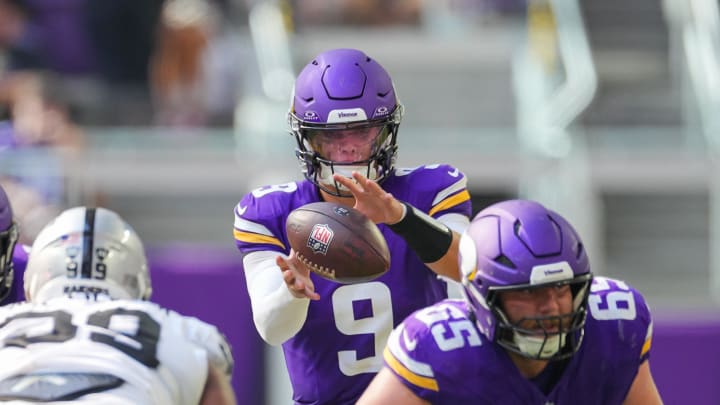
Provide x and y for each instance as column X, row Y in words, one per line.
column 370, row 199
column 297, row 277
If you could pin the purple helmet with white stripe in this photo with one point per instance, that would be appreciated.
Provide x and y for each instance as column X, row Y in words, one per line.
column 344, row 90
column 8, row 239
column 521, row 245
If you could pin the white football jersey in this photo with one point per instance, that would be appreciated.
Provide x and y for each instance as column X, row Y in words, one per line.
column 160, row 356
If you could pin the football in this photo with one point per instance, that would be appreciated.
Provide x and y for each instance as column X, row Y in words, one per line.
column 337, row 242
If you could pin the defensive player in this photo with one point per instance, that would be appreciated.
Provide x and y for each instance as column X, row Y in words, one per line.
column 13, row 256
column 535, row 327
column 345, row 117
column 87, row 335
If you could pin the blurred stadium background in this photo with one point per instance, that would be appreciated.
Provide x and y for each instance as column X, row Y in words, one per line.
column 169, row 111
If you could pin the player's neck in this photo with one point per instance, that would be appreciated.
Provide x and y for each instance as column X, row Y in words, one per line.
column 529, row 368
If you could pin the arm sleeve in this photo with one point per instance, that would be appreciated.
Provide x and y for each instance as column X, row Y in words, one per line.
column 209, row 338
column 277, row 314
column 456, row 222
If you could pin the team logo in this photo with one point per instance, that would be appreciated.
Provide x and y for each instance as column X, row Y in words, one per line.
column 311, row 116
column 551, row 272
column 342, row 115
column 346, row 115
column 342, row 211
column 90, row 292
column 320, row 238
column 381, row 111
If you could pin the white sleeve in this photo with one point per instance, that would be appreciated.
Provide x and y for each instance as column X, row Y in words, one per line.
column 219, row 353
column 208, row 337
column 277, row 314
column 456, row 222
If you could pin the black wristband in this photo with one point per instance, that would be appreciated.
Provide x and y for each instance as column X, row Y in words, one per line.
column 428, row 237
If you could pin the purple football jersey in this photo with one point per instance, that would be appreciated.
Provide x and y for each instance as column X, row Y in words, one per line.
column 17, row 292
column 439, row 354
column 335, row 355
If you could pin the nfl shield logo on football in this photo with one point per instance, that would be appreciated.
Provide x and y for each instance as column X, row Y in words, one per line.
column 320, row 238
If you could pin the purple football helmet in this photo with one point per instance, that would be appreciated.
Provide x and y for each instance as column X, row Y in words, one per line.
column 340, row 90
column 521, row 245
column 8, row 238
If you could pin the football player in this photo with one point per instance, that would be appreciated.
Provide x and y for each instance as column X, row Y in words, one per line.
column 535, row 326
column 13, row 256
column 88, row 335
column 345, row 116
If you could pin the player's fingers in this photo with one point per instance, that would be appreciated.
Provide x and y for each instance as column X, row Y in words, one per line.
column 362, row 181
column 308, row 289
column 359, row 177
column 288, row 276
column 349, row 183
column 282, row 263
column 294, row 263
column 305, row 289
column 300, row 268
column 370, row 187
column 294, row 284
column 291, row 276
column 311, row 294
column 373, row 188
column 290, row 279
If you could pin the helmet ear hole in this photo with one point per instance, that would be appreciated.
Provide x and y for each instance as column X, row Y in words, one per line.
column 505, row 261
column 580, row 250
column 516, row 227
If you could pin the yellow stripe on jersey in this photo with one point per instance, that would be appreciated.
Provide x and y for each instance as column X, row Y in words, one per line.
column 648, row 340
column 255, row 238
column 420, row 381
column 646, row 347
column 451, row 201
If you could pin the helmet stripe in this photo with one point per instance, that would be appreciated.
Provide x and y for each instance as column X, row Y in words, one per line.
column 88, row 237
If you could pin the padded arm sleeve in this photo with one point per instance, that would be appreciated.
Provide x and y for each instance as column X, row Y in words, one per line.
column 428, row 237
column 278, row 315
